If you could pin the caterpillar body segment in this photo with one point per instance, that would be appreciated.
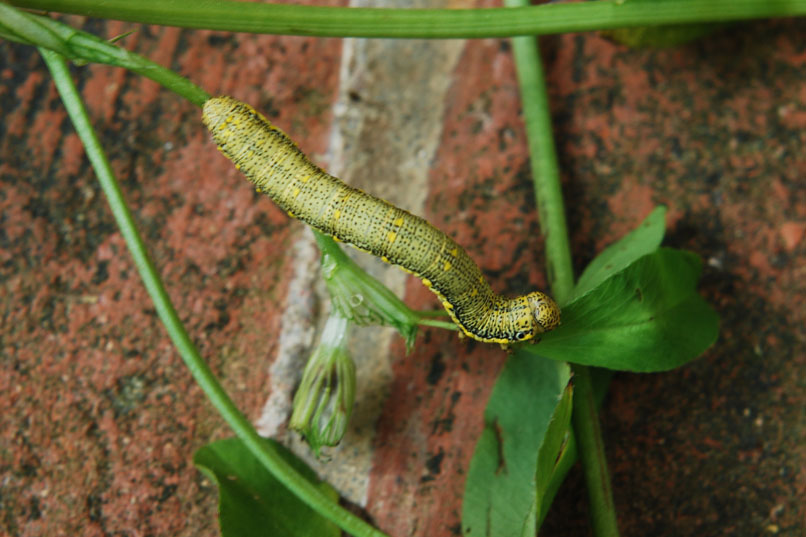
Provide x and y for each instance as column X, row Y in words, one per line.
column 278, row 168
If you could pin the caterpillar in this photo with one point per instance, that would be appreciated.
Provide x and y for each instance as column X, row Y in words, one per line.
column 278, row 168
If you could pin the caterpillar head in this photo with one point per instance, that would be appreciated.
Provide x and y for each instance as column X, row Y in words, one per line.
column 545, row 312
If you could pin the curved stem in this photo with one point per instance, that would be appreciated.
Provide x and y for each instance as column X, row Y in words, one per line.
column 79, row 46
column 420, row 23
column 201, row 372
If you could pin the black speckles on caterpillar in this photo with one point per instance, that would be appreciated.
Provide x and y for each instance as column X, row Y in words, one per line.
column 279, row 169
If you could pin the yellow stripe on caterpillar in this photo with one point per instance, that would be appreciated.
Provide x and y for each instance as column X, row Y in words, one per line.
column 279, row 169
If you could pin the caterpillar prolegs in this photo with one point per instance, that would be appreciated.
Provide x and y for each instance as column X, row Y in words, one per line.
column 277, row 167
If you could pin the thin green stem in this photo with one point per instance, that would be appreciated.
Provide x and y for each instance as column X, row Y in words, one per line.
column 447, row 325
column 22, row 27
column 591, row 452
column 76, row 45
column 545, row 170
column 327, row 245
column 421, row 23
column 201, row 372
column 551, row 211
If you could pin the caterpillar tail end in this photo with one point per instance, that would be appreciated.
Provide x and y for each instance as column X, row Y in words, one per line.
column 216, row 110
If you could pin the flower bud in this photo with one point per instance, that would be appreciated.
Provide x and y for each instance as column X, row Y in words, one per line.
column 324, row 401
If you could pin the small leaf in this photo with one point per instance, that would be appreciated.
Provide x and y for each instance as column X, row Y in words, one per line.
column 252, row 503
column 641, row 241
column 567, row 455
column 500, row 490
column 648, row 317
column 554, row 445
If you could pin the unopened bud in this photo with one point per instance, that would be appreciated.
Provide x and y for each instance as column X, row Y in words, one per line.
column 324, row 401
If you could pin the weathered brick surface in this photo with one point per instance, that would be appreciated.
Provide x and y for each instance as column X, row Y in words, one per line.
column 99, row 418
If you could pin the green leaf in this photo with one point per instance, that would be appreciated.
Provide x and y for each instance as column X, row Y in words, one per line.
column 251, row 502
column 500, row 490
column 555, row 444
column 639, row 242
column 648, row 317
column 567, row 455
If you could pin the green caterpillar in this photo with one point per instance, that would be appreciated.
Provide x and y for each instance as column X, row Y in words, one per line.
column 277, row 167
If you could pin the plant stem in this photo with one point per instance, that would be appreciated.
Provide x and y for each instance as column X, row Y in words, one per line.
column 545, row 170
column 201, row 372
column 590, row 444
column 447, row 325
column 328, row 246
column 546, row 177
column 421, row 23
column 17, row 25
